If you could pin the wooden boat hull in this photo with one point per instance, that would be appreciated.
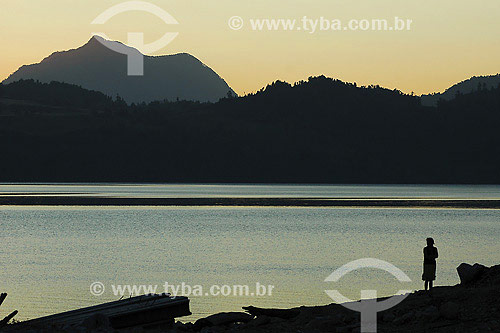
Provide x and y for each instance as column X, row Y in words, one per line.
column 144, row 310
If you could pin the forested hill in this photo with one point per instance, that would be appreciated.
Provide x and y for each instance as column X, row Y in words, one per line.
column 54, row 94
column 319, row 131
column 475, row 83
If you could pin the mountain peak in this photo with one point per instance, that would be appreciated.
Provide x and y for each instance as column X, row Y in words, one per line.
column 97, row 42
column 102, row 65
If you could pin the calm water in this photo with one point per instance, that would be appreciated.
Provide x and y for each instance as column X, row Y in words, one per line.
column 50, row 256
column 279, row 191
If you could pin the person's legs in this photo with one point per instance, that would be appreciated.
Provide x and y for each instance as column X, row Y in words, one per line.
column 426, row 284
column 430, row 285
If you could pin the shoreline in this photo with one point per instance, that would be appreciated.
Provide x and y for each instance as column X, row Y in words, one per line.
column 471, row 306
column 61, row 200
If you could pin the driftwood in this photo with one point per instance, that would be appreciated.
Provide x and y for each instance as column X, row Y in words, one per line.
column 223, row 318
column 4, row 321
column 278, row 313
column 2, row 297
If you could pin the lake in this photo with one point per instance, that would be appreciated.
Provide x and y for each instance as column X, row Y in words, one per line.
column 51, row 255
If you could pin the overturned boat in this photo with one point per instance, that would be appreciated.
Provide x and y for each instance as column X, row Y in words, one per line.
column 146, row 310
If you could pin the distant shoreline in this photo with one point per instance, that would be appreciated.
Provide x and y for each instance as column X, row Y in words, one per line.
column 59, row 200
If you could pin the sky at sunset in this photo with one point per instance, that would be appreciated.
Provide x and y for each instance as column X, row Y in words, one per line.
column 450, row 40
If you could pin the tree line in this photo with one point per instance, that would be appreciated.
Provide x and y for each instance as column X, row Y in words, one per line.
column 315, row 131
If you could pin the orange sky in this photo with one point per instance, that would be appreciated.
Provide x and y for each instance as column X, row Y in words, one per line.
column 450, row 40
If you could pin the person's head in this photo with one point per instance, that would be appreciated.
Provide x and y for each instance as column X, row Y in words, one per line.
column 430, row 241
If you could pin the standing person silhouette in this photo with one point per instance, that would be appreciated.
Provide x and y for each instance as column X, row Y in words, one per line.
column 430, row 255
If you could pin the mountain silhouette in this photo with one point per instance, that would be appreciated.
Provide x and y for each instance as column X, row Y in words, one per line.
column 95, row 66
column 316, row 131
column 475, row 83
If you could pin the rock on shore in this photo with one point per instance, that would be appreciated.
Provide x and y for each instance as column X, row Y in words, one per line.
column 471, row 306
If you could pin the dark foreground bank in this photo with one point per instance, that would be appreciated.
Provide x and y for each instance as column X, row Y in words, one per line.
column 471, row 306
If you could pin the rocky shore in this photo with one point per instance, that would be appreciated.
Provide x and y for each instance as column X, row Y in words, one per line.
column 471, row 306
